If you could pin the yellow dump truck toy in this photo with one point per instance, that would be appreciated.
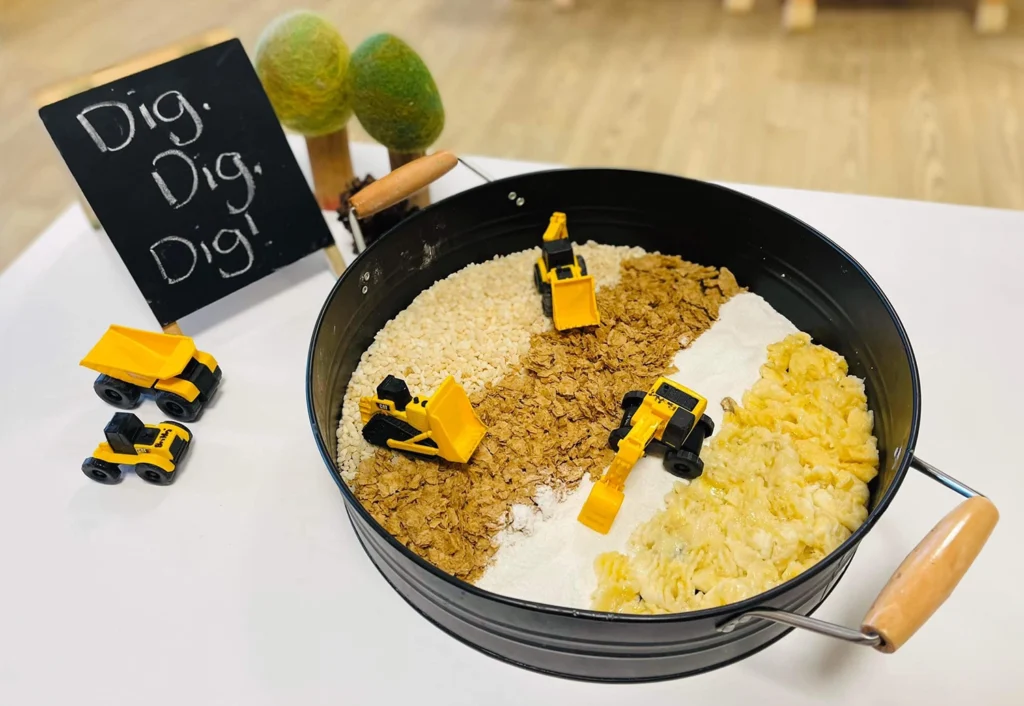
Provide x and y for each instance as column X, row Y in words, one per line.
column 154, row 450
column 131, row 361
column 567, row 292
column 442, row 425
column 668, row 415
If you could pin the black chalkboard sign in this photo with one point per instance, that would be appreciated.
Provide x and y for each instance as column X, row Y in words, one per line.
column 190, row 174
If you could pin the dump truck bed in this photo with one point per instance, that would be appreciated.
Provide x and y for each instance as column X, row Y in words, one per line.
column 145, row 353
column 454, row 425
column 574, row 302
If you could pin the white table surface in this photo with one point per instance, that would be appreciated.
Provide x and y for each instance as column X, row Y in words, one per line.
column 243, row 583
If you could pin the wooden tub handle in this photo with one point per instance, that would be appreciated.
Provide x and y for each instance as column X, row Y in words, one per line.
column 402, row 183
column 929, row 574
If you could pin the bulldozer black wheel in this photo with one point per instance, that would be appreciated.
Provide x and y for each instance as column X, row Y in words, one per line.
column 582, row 264
column 178, row 407
column 616, row 437
column 102, row 471
column 632, row 399
column 153, row 474
column 537, row 281
column 546, row 303
column 382, row 427
column 683, row 464
column 117, row 393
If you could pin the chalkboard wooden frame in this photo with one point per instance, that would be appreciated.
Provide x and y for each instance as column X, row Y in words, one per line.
column 188, row 170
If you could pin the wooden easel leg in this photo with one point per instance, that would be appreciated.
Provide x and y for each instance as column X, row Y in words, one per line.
column 991, row 16
column 332, row 167
column 173, row 329
column 335, row 259
column 738, row 7
column 799, row 14
column 398, row 159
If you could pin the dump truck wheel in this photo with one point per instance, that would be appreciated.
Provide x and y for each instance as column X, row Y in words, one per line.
column 582, row 264
column 178, row 407
column 102, row 471
column 153, row 474
column 616, row 437
column 683, row 464
column 117, row 393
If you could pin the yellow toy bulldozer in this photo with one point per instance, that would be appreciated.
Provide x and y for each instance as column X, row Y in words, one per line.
column 442, row 425
column 131, row 361
column 154, row 450
column 668, row 415
column 567, row 292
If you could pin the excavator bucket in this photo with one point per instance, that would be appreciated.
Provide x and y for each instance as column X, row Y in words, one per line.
column 601, row 507
column 574, row 302
column 144, row 353
column 454, row 426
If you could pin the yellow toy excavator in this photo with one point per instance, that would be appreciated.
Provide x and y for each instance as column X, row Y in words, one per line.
column 668, row 415
column 567, row 292
column 131, row 361
column 442, row 425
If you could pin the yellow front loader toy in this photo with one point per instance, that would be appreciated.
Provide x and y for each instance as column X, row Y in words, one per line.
column 131, row 361
column 442, row 425
column 567, row 292
column 668, row 415
column 155, row 450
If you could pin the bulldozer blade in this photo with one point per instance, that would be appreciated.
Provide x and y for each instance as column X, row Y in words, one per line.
column 574, row 303
column 455, row 428
column 601, row 507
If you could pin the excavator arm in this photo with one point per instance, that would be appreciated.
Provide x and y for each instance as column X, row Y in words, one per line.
column 606, row 496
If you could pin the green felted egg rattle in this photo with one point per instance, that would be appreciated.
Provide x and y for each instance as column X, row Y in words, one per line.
column 303, row 63
column 394, row 95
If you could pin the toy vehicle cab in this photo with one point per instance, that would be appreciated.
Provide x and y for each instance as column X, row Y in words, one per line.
column 154, row 450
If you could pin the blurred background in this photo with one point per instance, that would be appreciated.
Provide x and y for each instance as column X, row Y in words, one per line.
column 901, row 99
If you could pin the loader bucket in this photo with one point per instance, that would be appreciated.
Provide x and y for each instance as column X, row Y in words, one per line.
column 454, row 426
column 574, row 303
column 145, row 353
column 602, row 505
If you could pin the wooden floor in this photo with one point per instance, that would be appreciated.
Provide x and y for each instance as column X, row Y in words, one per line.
column 897, row 100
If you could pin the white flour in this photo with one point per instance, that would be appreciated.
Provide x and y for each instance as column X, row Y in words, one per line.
column 546, row 555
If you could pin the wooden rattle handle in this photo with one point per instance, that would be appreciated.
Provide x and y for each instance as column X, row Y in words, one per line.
column 929, row 574
column 402, row 183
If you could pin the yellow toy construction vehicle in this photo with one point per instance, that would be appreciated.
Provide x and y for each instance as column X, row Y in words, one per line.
column 443, row 425
column 668, row 415
column 567, row 292
column 131, row 361
column 154, row 450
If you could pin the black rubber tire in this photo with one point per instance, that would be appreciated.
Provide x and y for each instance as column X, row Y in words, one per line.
column 103, row 472
column 616, row 436
column 582, row 264
column 709, row 425
column 546, row 304
column 178, row 407
column 537, row 281
column 117, row 393
column 382, row 427
column 153, row 474
column 632, row 399
column 683, row 464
